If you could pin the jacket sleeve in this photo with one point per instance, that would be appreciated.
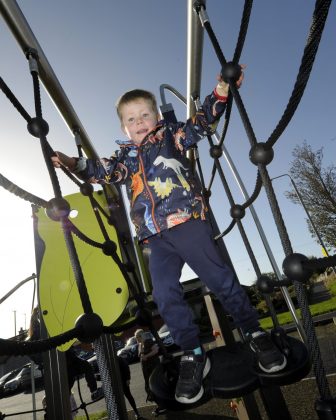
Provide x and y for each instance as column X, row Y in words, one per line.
column 102, row 171
column 202, row 124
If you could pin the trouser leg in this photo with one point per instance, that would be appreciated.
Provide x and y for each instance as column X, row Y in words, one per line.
column 194, row 242
column 165, row 266
column 129, row 396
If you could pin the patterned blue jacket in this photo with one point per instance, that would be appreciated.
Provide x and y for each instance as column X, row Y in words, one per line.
column 161, row 187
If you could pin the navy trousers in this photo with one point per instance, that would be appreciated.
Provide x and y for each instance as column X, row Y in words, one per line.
column 192, row 243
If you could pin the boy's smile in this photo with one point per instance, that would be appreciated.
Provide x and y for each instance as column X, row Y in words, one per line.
column 138, row 119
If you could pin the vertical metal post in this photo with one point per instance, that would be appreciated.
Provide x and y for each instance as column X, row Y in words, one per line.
column 56, row 386
column 14, row 322
column 32, row 381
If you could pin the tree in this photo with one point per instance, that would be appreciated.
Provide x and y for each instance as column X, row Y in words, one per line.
column 317, row 187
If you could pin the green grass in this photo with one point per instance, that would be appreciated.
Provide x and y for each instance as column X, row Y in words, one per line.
column 316, row 309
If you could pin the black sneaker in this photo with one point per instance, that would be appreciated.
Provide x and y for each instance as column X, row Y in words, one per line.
column 270, row 358
column 193, row 368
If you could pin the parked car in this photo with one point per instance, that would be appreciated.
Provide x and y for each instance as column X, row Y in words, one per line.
column 7, row 377
column 22, row 380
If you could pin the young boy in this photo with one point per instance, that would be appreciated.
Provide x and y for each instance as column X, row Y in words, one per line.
column 168, row 211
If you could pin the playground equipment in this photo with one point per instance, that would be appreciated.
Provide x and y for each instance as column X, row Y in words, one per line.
column 118, row 246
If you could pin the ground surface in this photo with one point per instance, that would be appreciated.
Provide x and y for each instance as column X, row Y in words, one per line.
column 300, row 396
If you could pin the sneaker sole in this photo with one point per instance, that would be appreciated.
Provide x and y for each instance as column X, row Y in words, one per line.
column 275, row 368
column 197, row 397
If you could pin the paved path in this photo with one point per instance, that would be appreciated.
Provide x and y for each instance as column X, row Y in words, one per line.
column 300, row 397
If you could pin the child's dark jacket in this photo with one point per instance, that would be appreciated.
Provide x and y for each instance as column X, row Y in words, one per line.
column 161, row 186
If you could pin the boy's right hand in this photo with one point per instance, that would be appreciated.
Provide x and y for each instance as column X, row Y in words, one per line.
column 56, row 161
column 62, row 159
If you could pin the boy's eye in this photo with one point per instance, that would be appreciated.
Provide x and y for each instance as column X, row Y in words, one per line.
column 146, row 115
column 130, row 120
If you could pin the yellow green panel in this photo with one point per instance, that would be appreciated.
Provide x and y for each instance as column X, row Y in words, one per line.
column 58, row 295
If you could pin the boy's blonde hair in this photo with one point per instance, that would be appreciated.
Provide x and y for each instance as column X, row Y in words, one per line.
column 139, row 334
column 133, row 95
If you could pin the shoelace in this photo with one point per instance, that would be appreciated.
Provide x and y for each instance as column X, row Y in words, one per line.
column 262, row 342
column 188, row 366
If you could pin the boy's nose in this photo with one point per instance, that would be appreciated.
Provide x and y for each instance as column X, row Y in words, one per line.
column 139, row 120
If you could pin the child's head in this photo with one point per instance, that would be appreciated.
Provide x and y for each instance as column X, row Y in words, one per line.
column 139, row 334
column 138, row 114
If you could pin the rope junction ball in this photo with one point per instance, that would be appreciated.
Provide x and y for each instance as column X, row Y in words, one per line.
column 89, row 326
column 231, row 71
column 265, row 284
column 109, row 248
column 58, row 208
column 206, row 193
column 293, row 267
column 38, row 127
column 86, row 189
column 261, row 153
column 237, row 211
column 216, row 151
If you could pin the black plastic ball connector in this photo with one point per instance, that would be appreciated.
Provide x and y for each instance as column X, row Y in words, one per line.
column 237, row 211
column 38, row 127
column 293, row 267
column 206, row 193
column 58, row 208
column 143, row 317
column 90, row 327
column 265, row 284
column 86, row 189
column 261, row 153
column 109, row 248
column 216, row 151
column 231, row 71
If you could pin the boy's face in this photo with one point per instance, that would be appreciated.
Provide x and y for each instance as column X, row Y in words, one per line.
column 138, row 119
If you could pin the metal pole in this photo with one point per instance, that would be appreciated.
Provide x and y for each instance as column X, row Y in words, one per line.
column 18, row 25
column 305, row 209
column 194, row 57
column 21, row 283
column 14, row 323
column 32, row 379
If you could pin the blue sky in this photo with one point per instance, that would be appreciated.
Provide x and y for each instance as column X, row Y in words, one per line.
column 98, row 50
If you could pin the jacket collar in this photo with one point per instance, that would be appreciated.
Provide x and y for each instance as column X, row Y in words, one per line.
column 129, row 143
